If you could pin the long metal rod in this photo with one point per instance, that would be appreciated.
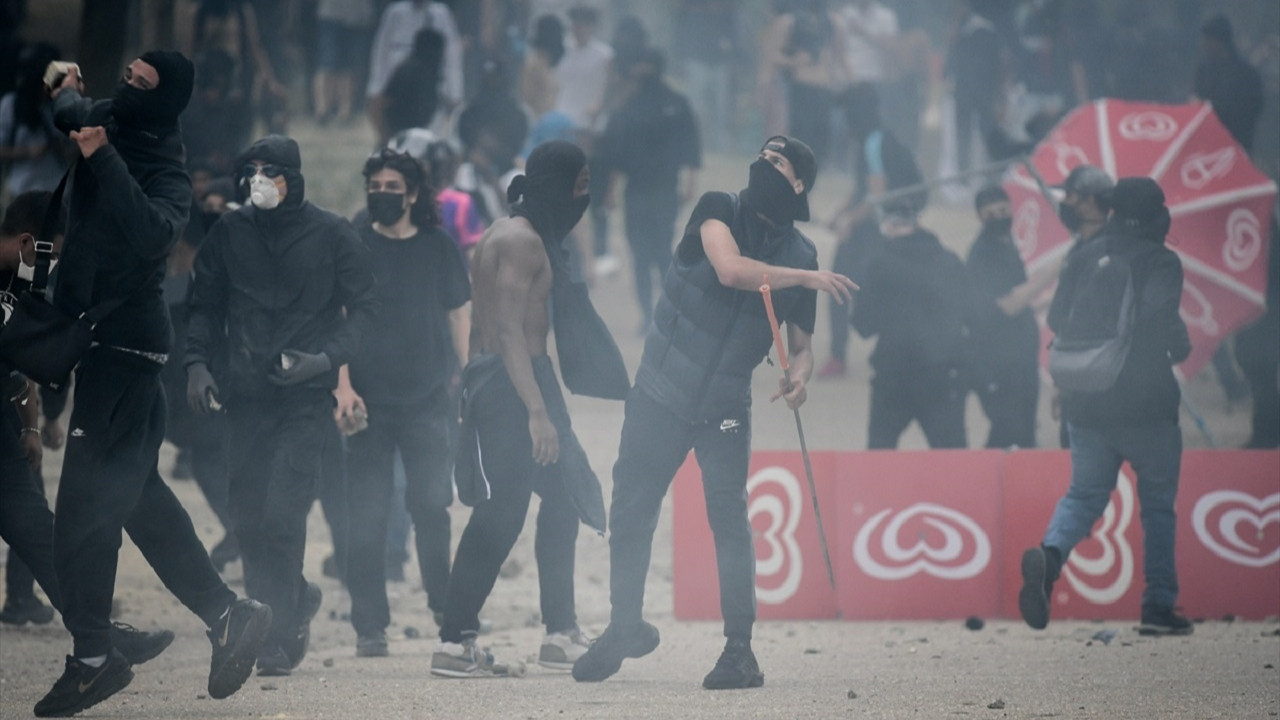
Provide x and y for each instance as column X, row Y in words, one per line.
column 804, row 448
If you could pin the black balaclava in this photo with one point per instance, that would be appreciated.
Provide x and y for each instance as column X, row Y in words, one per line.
column 158, row 108
column 544, row 194
column 1137, row 208
column 991, row 194
column 769, row 192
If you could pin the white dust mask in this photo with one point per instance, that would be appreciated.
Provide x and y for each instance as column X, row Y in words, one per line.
column 263, row 193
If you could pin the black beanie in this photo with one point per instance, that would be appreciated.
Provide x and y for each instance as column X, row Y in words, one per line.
column 177, row 77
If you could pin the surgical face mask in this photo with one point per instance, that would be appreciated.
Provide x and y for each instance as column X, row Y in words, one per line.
column 1070, row 217
column 28, row 272
column 386, row 208
column 263, row 193
column 999, row 227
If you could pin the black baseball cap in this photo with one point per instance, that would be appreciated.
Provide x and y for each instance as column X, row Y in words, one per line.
column 802, row 162
column 1087, row 180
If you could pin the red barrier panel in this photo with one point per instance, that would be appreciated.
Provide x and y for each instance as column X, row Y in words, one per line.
column 939, row 534
column 791, row 577
column 915, row 534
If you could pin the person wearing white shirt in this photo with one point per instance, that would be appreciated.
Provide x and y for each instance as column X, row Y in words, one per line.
column 868, row 28
column 393, row 42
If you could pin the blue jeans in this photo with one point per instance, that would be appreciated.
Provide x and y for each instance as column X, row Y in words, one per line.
column 1155, row 452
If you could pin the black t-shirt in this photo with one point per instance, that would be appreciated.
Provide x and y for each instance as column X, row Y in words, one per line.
column 757, row 243
column 995, row 268
column 407, row 352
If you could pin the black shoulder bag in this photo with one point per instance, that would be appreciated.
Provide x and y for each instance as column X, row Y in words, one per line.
column 41, row 341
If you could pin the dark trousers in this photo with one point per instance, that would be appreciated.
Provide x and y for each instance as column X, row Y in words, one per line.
column 26, row 524
column 974, row 112
column 1009, row 400
column 333, row 495
column 109, row 483
column 507, row 455
column 421, row 433
column 275, row 453
column 934, row 398
column 1258, row 351
column 650, row 221
column 655, row 442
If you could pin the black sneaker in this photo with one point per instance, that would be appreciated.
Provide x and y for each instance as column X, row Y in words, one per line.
column 374, row 645
column 1163, row 621
column 82, row 687
column 736, row 669
column 308, row 606
column 1033, row 598
column 23, row 610
column 618, row 642
column 136, row 645
column 274, row 662
column 236, row 638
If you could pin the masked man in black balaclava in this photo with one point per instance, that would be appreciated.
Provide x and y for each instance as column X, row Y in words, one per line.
column 693, row 392
column 128, row 198
column 282, row 294
column 516, row 436
column 1006, row 338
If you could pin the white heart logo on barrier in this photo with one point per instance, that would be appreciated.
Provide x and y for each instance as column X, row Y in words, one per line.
column 1223, row 538
column 1200, row 169
column 965, row 550
column 1026, row 227
column 779, row 500
column 1116, row 553
column 1148, row 125
column 1244, row 240
column 1200, row 316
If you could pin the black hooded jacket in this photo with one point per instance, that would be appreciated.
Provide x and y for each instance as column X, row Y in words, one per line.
column 271, row 280
column 1146, row 392
column 127, row 206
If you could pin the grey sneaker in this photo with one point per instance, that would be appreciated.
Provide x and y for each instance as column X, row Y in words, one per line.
column 1163, row 621
column 561, row 650
column 468, row 660
column 372, row 645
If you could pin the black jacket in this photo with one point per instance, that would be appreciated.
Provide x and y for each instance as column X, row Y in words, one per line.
column 916, row 296
column 1146, row 392
column 1000, row 340
column 127, row 205
column 267, row 281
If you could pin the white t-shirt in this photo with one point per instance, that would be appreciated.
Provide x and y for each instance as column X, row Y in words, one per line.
column 583, row 73
column 862, row 54
column 394, row 41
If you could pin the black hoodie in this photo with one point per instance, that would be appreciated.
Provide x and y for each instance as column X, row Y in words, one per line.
column 127, row 206
column 271, row 280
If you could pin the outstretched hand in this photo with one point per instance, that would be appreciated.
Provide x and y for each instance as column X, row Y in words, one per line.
column 834, row 284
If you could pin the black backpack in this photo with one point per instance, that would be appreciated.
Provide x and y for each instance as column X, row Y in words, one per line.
column 1093, row 343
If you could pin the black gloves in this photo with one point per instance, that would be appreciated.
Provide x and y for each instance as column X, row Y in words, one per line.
column 202, row 391
column 297, row 367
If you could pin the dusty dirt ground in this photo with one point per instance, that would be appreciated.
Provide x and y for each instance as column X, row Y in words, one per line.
column 813, row 669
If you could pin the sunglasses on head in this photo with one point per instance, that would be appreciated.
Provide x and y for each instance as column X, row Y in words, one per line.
column 268, row 170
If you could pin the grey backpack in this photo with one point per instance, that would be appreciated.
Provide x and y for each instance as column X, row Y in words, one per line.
column 1091, row 347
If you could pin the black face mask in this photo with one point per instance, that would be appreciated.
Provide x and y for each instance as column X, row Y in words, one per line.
column 386, row 208
column 133, row 106
column 553, row 218
column 999, row 227
column 771, row 194
column 1070, row 217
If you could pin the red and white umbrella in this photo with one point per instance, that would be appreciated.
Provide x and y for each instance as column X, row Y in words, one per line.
column 1221, row 205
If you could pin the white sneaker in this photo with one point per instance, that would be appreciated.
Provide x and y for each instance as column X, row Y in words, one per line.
column 608, row 265
column 468, row 660
column 561, row 650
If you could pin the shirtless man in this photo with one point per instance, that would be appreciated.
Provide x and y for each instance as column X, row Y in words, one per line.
column 516, row 437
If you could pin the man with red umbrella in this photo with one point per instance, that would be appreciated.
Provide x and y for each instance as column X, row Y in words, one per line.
column 1135, row 417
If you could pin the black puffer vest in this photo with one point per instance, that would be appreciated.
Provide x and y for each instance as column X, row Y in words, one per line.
column 706, row 338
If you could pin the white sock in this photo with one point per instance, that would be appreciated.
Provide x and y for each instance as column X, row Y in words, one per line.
column 94, row 662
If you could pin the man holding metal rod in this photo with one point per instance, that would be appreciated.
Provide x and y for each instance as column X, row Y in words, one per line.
column 693, row 392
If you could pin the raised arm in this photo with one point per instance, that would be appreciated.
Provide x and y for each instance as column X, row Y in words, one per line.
column 743, row 273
